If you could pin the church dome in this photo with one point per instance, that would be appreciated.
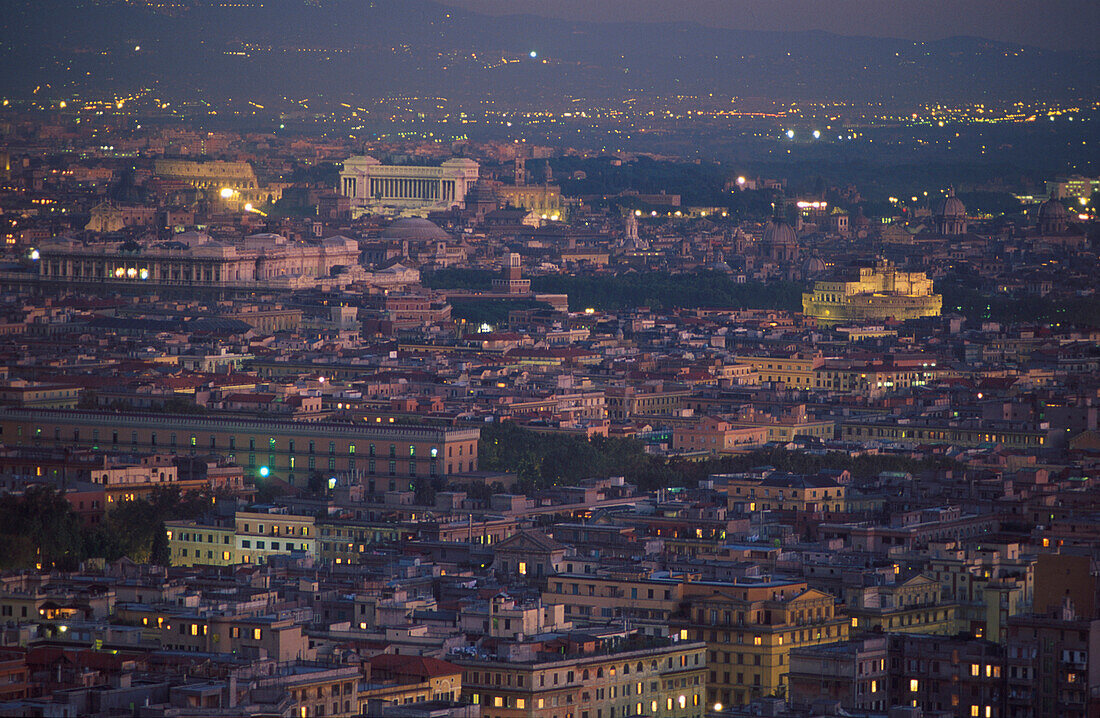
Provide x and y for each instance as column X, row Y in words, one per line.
column 952, row 206
column 1053, row 209
column 814, row 266
column 779, row 232
column 416, row 229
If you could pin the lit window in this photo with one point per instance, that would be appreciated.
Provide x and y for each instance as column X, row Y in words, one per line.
column 256, row 633
column 914, row 685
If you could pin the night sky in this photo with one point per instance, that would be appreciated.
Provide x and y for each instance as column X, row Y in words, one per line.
column 1068, row 24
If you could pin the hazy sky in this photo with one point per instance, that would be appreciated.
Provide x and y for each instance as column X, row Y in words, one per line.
column 1048, row 23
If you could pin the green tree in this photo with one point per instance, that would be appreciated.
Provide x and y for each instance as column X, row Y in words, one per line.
column 160, row 554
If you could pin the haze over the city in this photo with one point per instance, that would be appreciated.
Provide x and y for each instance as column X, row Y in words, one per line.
column 514, row 359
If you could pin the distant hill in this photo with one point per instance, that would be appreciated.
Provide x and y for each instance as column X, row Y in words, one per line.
column 356, row 51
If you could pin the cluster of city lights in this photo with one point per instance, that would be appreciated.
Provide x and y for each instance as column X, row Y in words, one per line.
column 131, row 273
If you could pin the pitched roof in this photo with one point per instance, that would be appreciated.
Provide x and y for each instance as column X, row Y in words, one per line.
column 420, row 666
column 530, row 540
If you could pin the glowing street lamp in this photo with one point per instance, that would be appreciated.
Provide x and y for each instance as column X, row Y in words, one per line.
column 264, row 471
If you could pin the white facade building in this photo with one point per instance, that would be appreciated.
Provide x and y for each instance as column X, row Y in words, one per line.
column 375, row 188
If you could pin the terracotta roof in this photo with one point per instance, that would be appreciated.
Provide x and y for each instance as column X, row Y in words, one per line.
column 420, row 666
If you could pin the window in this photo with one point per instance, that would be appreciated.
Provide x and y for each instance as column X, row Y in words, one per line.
column 256, row 634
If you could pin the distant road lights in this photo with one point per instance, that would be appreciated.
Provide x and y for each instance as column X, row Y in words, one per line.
column 533, row 54
column 817, row 134
column 247, row 206
column 35, row 255
column 1082, row 201
column 264, row 471
column 637, row 213
column 790, row 134
column 331, row 482
column 741, row 181
column 64, row 104
column 227, row 192
column 137, row 48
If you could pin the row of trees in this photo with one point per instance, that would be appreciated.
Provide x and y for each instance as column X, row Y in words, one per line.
column 40, row 528
column 661, row 291
column 658, row 290
column 961, row 295
column 542, row 460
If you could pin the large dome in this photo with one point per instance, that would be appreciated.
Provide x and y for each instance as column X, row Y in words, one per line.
column 779, row 232
column 414, row 228
column 951, row 207
column 1053, row 209
column 814, row 266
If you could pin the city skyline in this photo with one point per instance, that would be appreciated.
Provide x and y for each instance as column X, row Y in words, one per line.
column 549, row 360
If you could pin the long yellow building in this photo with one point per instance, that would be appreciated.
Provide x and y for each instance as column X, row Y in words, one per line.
column 874, row 294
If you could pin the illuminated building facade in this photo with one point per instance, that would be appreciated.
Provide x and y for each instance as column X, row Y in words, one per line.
column 375, row 188
column 536, row 681
column 750, row 629
column 195, row 260
column 215, row 176
column 542, row 199
column 873, row 294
